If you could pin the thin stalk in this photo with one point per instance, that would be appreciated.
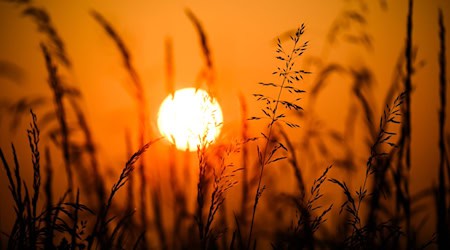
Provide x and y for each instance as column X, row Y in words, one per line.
column 58, row 93
column 442, row 220
column 263, row 161
column 406, row 129
column 141, row 108
column 33, row 139
column 244, row 135
column 49, row 204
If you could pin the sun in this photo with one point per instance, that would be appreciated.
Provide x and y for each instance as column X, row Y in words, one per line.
column 189, row 117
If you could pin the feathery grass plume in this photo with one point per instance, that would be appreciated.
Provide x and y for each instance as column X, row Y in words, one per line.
column 442, row 212
column 206, row 73
column 141, row 105
column 289, row 76
column 359, row 236
column 379, row 163
column 315, row 196
column 45, row 26
column 100, row 228
column 58, row 94
column 33, row 140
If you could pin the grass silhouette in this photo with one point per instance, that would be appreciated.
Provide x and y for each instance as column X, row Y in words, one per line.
column 380, row 213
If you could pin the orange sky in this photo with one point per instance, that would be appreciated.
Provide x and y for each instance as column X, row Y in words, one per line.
column 241, row 36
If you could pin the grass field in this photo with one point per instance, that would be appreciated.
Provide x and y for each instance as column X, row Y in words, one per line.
column 280, row 177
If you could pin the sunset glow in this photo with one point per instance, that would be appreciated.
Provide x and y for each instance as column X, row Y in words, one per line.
column 188, row 117
column 221, row 125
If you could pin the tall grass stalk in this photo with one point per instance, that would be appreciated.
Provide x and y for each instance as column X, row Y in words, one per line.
column 216, row 177
column 90, row 147
column 201, row 192
column 138, row 93
column 360, row 236
column 33, row 140
column 48, row 244
column 405, row 138
column 101, row 224
column 45, row 26
column 179, row 199
column 271, row 113
column 245, row 164
column 57, row 49
column 58, row 93
column 207, row 72
column 130, row 190
column 442, row 213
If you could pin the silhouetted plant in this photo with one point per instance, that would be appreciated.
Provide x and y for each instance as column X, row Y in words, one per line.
column 359, row 237
column 443, row 213
column 370, row 220
column 288, row 76
column 137, row 91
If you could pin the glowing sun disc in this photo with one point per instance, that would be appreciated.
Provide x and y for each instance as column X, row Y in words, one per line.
column 189, row 117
